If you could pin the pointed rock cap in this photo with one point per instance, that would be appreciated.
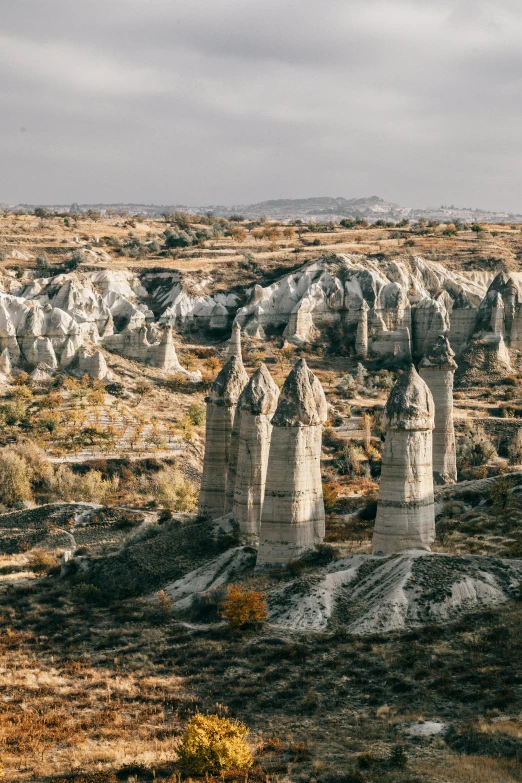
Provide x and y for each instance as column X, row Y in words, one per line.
column 440, row 356
column 462, row 302
column 234, row 343
column 364, row 306
column 260, row 395
column 410, row 404
column 302, row 401
column 499, row 281
column 229, row 383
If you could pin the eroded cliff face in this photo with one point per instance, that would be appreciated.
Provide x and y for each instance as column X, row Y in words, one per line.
column 389, row 308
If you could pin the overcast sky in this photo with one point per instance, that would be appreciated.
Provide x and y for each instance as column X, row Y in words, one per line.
column 237, row 101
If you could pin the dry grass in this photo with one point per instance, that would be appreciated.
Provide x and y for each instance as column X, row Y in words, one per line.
column 472, row 769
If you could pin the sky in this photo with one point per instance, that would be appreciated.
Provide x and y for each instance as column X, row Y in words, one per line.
column 205, row 102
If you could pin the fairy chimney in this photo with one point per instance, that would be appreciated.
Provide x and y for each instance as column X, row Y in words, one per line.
column 256, row 407
column 221, row 409
column 438, row 369
column 292, row 518
column 405, row 511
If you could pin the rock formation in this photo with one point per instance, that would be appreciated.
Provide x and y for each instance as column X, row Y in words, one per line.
column 292, row 519
column 234, row 344
column 405, row 304
column 256, row 407
column 405, row 511
column 221, row 408
column 5, row 362
column 438, row 369
column 361, row 337
column 93, row 365
column 164, row 356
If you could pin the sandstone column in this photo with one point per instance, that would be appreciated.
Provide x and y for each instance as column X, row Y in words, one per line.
column 292, row 519
column 437, row 369
column 234, row 344
column 361, row 338
column 221, row 407
column 256, row 406
column 405, row 512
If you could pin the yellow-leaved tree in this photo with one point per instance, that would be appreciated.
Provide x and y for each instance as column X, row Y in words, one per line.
column 242, row 608
column 212, row 744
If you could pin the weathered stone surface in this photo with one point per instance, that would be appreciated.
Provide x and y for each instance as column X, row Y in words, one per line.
column 361, row 337
column 234, row 344
column 256, row 407
column 405, row 511
column 292, row 519
column 93, row 365
column 437, row 369
column 5, row 362
column 221, row 408
column 164, row 356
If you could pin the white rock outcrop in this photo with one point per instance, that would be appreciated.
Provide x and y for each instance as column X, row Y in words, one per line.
column 405, row 510
column 221, row 410
column 438, row 369
column 256, row 407
column 292, row 519
column 93, row 365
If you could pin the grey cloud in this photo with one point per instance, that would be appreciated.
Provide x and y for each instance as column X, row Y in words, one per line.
column 228, row 102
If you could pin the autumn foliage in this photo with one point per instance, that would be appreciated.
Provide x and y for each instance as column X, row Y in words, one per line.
column 214, row 744
column 242, row 608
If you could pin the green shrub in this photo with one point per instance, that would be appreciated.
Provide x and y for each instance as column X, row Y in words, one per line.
column 212, row 744
column 85, row 593
column 196, row 414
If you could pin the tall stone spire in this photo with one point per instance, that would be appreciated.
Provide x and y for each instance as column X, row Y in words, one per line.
column 361, row 337
column 234, row 344
column 438, row 369
column 405, row 511
column 256, row 407
column 221, row 408
column 292, row 519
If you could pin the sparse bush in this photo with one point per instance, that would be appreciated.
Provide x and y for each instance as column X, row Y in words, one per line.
column 398, row 757
column 242, row 608
column 15, row 478
column 169, row 488
column 85, row 593
column 162, row 608
column 350, row 461
column 475, row 449
column 330, row 495
column 515, row 449
column 196, row 414
column 212, row 744
column 42, row 561
column 500, row 492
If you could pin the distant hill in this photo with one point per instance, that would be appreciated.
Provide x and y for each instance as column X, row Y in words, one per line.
column 371, row 208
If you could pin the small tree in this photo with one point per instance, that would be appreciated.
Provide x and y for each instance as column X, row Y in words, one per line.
column 196, row 414
column 15, row 484
column 212, row 744
column 43, row 265
column 500, row 492
column 515, row 449
column 242, row 608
